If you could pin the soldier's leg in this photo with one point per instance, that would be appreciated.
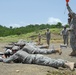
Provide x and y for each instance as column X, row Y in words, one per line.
column 48, row 42
column 39, row 41
column 42, row 60
column 48, row 51
column 63, row 39
column 67, row 40
column 33, row 50
column 43, row 46
column 54, row 51
column 73, row 46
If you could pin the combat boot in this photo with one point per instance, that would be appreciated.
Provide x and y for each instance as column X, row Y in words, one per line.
column 73, row 53
column 59, row 51
column 75, row 65
column 69, row 65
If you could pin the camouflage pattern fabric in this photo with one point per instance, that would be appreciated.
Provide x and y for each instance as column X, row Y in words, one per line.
column 39, row 59
column 73, row 29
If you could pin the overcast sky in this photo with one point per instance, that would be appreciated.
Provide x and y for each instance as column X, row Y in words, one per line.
column 19, row 13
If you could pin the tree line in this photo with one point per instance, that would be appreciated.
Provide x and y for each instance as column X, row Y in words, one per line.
column 5, row 31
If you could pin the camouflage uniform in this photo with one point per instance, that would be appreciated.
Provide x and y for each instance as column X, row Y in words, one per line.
column 48, row 36
column 65, row 35
column 32, row 49
column 24, row 57
column 72, row 29
column 39, row 38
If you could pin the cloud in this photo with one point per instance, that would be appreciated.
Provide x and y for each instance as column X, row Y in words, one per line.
column 53, row 20
column 14, row 25
column 50, row 20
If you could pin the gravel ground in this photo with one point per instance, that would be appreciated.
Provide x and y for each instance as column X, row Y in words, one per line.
column 31, row 69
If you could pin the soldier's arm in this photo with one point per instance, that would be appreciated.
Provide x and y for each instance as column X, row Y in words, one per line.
column 70, row 10
column 71, row 28
column 50, row 34
column 10, row 59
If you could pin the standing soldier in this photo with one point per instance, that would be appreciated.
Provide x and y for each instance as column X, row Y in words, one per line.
column 72, row 30
column 39, row 39
column 48, row 37
column 65, row 35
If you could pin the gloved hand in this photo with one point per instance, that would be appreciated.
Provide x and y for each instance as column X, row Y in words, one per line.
column 66, row 3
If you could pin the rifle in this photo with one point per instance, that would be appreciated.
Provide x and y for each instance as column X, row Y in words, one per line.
column 1, row 53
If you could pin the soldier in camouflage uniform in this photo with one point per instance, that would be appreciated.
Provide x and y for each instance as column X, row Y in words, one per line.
column 39, row 39
column 25, row 58
column 32, row 49
column 65, row 35
column 72, row 29
column 48, row 37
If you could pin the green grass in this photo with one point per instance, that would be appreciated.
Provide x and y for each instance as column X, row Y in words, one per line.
column 56, row 30
column 13, row 38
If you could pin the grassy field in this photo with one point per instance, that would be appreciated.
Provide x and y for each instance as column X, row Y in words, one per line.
column 55, row 36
